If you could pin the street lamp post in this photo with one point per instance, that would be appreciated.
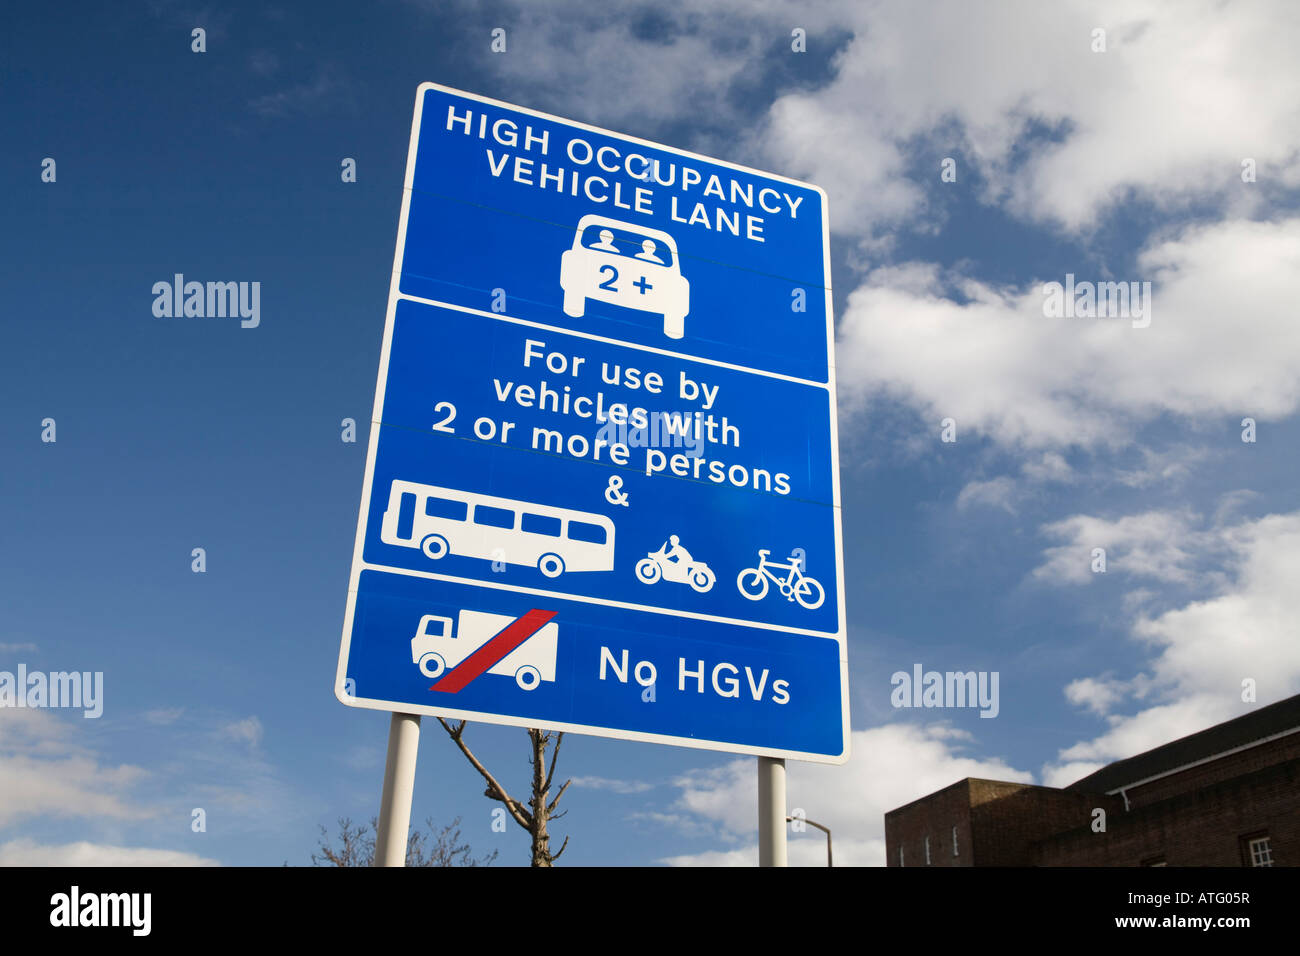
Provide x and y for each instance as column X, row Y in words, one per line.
column 826, row 830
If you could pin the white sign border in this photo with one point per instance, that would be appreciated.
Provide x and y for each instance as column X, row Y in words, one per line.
column 359, row 564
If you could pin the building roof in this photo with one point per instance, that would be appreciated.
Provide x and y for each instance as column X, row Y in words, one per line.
column 1239, row 732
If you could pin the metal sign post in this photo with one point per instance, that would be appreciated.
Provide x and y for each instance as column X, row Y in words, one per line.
column 399, row 786
column 771, row 812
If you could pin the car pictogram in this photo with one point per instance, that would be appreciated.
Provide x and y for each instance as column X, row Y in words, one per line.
column 627, row 265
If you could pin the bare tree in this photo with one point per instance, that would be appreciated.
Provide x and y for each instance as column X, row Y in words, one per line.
column 435, row 847
column 536, row 816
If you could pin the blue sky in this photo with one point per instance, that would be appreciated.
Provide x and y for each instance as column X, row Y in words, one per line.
column 1122, row 164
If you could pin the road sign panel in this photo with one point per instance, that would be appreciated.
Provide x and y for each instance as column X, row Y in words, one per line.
column 603, row 454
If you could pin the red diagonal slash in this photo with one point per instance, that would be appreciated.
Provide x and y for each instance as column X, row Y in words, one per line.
column 515, row 633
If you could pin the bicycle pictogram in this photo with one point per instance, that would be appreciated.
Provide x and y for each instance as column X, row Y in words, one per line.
column 795, row 585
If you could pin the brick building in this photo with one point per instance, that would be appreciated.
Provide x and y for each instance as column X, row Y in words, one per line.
column 1227, row 796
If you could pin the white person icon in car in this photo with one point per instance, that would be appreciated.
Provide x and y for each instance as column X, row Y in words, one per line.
column 627, row 265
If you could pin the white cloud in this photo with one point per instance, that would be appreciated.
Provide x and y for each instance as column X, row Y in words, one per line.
column 747, row 856
column 1160, row 545
column 614, row 786
column 980, row 78
column 25, row 852
column 985, row 82
column 17, row 648
column 1204, row 650
column 996, row 363
column 1097, row 694
column 1167, row 467
column 1164, row 116
column 70, row 787
column 995, row 493
column 249, row 731
column 1059, row 136
column 1145, row 730
column 891, row 765
column 46, row 772
column 682, row 824
column 1064, row 774
column 1248, row 631
column 1049, row 466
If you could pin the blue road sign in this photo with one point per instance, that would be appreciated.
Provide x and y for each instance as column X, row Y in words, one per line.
column 602, row 491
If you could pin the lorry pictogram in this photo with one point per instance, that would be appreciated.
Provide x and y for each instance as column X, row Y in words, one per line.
column 439, row 647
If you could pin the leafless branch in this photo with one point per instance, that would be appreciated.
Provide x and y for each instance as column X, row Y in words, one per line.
column 494, row 790
column 433, row 846
column 550, row 809
column 555, row 758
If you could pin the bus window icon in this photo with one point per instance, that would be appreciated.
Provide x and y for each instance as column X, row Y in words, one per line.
column 441, row 521
column 627, row 265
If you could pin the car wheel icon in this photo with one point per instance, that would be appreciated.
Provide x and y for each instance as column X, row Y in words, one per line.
column 528, row 677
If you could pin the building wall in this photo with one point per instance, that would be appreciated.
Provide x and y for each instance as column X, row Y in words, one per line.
column 933, row 816
column 997, row 822
column 1197, row 817
column 1203, row 827
column 1005, row 822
